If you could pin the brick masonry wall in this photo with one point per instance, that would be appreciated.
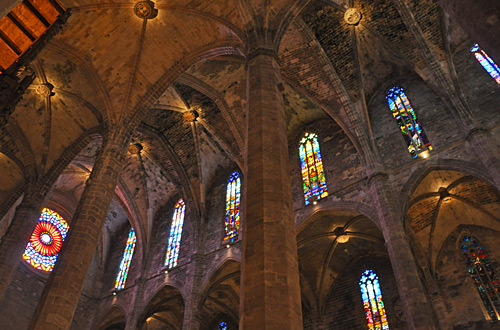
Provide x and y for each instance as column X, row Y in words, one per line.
column 22, row 297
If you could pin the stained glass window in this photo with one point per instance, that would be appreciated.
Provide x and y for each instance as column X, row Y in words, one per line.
column 174, row 239
column 232, row 221
column 405, row 116
column 372, row 301
column 311, row 163
column 46, row 240
column 128, row 253
column 487, row 62
column 482, row 273
column 223, row 326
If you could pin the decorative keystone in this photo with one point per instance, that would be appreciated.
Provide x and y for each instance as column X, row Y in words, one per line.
column 145, row 9
column 342, row 236
column 352, row 16
column 190, row 116
column 45, row 89
column 135, row 148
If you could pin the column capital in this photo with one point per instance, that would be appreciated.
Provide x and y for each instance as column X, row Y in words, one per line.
column 264, row 51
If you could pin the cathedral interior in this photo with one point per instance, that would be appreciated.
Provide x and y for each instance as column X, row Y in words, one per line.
column 249, row 164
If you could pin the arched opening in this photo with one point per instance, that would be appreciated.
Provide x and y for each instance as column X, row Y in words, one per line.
column 113, row 320
column 445, row 207
column 165, row 311
column 335, row 249
column 221, row 297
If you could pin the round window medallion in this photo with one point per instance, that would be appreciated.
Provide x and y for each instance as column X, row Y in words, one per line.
column 352, row 16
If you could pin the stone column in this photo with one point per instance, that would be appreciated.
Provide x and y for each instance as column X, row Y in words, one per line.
column 15, row 240
column 480, row 19
column 59, row 300
column 418, row 311
column 270, row 295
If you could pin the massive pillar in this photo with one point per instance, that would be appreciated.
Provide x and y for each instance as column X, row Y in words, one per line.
column 62, row 292
column 270, row 296
column 480, row 19
column 418, row 311
column 15, row 240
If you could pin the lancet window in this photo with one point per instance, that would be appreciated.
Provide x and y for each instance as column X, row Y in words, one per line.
column 402, row 111
column 313, row 175
column 174, row 240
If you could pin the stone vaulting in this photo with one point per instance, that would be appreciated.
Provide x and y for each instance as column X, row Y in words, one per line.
column 111, row 111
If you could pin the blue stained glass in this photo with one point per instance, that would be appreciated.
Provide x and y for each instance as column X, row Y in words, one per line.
column 405, row 116
column 313, row 176
column 222, row 326
column 482, row 274
column 174, row 240
column 233, row 196
column 128, row 253
column 486, row 62
column 372, row 301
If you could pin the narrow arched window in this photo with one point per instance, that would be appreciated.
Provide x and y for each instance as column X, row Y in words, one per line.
column 482, row 273
column 372, row 301
column 46, row 240
column 313, row 175
column 174, row 240
column 487, row 62
column 410, row 127
column 128, row 253
column 232, row 220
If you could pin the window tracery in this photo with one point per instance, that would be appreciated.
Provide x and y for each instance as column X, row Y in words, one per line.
column 313, row 176
column 46, row 240
column 403, row 113
column 372, row 301
column 483, row 275
column 233, row 196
